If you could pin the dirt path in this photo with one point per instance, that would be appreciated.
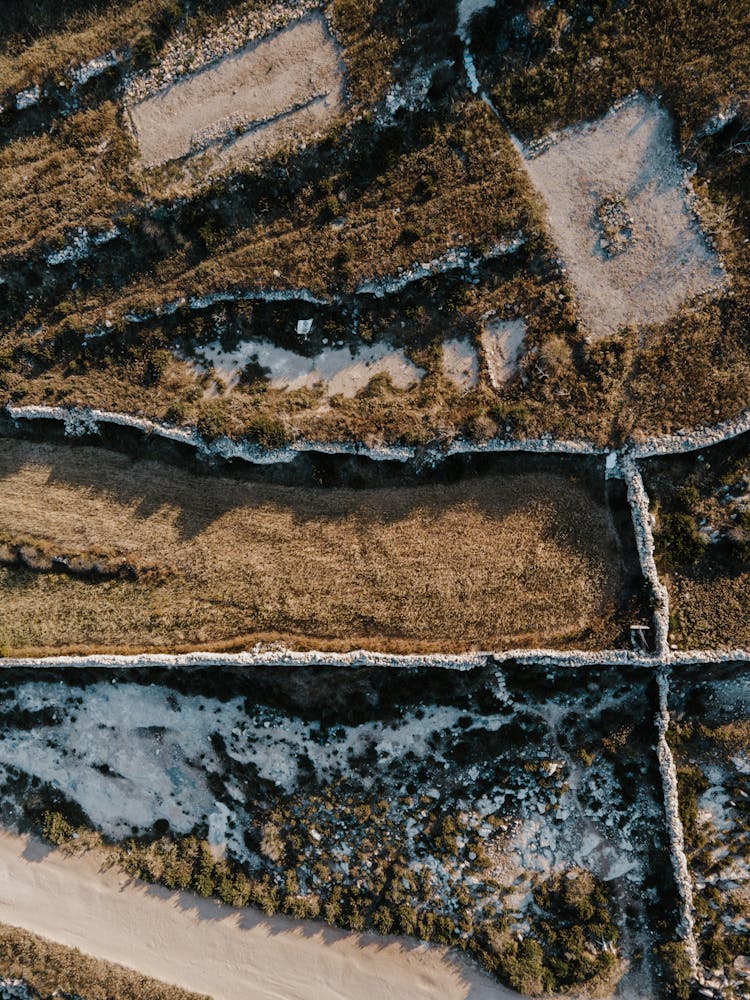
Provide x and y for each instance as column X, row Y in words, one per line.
column 229, row 954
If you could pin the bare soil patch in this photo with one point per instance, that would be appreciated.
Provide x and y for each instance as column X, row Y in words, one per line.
column 491, row 561
column 502, row 341
column 289, row 85
column 626, row 158
column 337, row 369
column 459, row 362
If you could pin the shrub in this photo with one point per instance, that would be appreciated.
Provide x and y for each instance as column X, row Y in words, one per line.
column 56, row 828
column 383, row 920
column 214, row 420
column 678, row 972
column 269, row 433
column 691, row 782
column 679, row 540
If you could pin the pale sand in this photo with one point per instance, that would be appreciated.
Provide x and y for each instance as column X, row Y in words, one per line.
column 289, row 85
column 630, row 154
column 460, row 363
column 227, row 953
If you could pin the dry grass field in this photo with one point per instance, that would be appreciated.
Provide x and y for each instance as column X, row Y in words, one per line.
column 40, row 40
column 417, row 168
column 503, row 560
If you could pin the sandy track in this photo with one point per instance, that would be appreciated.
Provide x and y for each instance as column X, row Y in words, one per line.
column 229, row 954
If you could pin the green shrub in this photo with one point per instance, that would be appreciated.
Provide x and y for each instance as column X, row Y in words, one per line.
column 56, row 828
column 680, row 544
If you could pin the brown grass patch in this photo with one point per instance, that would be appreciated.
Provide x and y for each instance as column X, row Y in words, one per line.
column 50, row 968
column 51, row 184
column 710, row 612
column 487, row 562
column 87, row 31
column 703, row 543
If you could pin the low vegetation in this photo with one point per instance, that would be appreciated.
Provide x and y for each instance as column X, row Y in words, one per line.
column 559, row 64
column 703, row 543
column 39, row 42
column 711, row 743
column 401, row 181
column 188, row 560
column 454, row 813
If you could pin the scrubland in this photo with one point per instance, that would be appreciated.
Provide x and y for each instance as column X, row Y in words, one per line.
column 418, row 167
column 702, row 512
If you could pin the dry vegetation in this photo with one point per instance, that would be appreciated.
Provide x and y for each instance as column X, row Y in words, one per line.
column 51, row 969
column 557, row 64
column 495, row 561
column 40, row 40
column 703, row 543
column 52, row 184
column 376, row 195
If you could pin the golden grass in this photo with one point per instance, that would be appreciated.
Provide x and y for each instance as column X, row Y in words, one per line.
column 478, row 194
column 50, row 968
column 50, row 185
column 491, row 562
column 82, row 37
